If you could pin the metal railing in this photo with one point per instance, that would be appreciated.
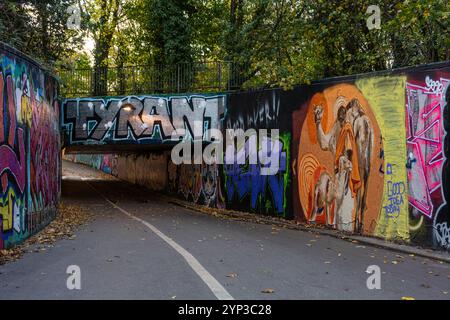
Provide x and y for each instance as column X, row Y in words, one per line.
column 135, row 80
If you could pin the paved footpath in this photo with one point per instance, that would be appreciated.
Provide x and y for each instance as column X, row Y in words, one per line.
column 141, row 247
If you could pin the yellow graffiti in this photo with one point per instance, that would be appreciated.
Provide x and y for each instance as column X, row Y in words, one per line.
column 7, row 210
column 386, row 96
column 26, row 110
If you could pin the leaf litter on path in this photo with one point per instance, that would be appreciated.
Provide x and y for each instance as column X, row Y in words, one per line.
column 68, row 219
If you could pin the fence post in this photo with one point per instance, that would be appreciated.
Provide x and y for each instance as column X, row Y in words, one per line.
column 178, row 78
column 134, row 79
column 230, row 75
column 220, row 75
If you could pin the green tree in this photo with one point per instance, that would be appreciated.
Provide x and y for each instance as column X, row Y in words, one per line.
column 104, row 16
column 14, row 24
column 418, row 31
column 270, row 42
column 38, row 28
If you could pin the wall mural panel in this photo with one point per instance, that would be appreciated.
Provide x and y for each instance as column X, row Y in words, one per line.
column 246, row 187
column 140, row 120
column 104, row 162
column 441, row 221
column 392, row 221
column 426, row 99
column 338, row 162
column 366, row 155
column 198, row 183
column 29, row 148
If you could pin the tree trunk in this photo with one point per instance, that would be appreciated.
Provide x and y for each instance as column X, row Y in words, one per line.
column 107, row 25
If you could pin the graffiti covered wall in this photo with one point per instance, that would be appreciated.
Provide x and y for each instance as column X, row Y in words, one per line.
column 348, row 148
column 246, row 187
column 426, row 110
column 140, row 120
column 103, row 162
column 29, row 147
column 365, row 155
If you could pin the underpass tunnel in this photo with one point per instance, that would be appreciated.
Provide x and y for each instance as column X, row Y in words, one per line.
column 149, row 169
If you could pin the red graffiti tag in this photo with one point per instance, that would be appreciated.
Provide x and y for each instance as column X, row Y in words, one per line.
column 9, row 161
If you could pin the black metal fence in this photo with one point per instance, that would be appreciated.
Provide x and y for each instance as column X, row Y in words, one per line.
column 180, row 78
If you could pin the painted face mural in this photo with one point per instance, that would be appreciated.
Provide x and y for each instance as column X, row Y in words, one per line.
column 29, row 149
column 199, row 183
column 337, row 162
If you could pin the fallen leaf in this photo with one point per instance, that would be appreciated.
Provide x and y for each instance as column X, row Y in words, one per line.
column 232, row 275
column 408, row 298
column 268, row 290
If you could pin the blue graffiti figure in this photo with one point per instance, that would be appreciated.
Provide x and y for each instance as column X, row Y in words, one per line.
column 246, row 179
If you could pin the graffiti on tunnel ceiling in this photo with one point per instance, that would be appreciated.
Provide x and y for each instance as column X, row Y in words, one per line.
column 147, row 119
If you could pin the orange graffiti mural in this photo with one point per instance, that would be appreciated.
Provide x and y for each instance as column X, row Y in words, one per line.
column 339, row 159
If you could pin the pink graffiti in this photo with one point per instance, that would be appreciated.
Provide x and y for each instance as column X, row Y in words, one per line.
column 424, row 142
column 9, row 161
column 44, row 154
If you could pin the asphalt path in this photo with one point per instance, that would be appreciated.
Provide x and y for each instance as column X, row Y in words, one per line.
column 139, row 246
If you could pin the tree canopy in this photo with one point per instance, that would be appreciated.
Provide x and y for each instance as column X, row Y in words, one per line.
column 274, row 42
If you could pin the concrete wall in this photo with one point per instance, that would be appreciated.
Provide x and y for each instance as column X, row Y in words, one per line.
column 148, row 170
column 29, row 147
column 360, row 154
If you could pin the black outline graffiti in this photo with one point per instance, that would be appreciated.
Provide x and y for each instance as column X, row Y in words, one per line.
column 442, row 218
column 79, row 129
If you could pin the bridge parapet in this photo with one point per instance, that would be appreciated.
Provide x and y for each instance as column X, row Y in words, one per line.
column 117, row 123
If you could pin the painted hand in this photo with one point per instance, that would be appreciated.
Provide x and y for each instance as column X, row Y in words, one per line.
column 318, row 114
